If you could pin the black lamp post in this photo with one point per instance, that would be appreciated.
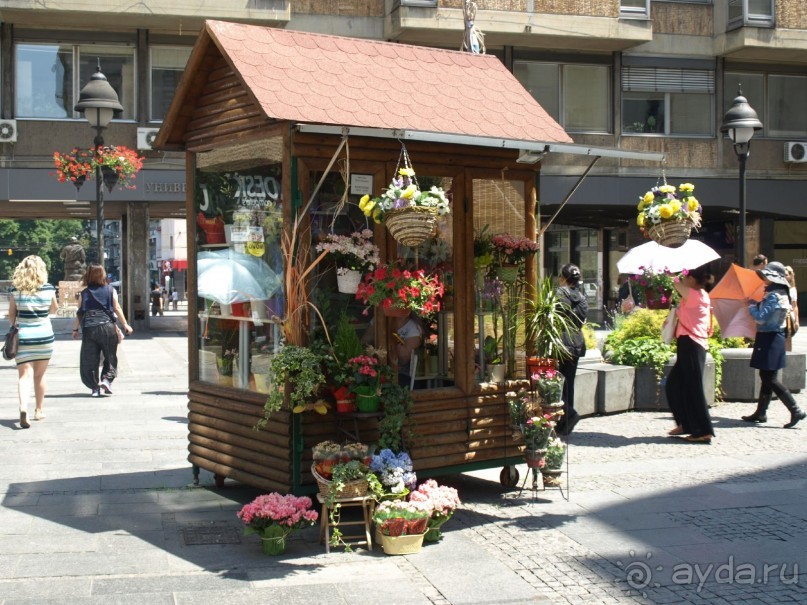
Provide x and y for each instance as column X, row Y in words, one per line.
column 98, row 101
column 741, row 122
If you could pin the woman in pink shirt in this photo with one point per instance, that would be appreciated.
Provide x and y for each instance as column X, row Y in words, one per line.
column 685, row 383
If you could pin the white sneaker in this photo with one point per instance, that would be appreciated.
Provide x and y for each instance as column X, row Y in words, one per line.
column 105, row 387
column 95, row 393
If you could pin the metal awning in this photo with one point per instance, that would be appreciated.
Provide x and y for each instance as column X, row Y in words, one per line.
column 531, row 151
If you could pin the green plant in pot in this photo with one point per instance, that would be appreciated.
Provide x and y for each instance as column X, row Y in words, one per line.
column 296, row 371
column 548, row 319
column 395, row 427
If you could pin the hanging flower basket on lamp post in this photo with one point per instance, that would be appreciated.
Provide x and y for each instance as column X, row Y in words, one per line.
column 75, row 166
column 119, row 165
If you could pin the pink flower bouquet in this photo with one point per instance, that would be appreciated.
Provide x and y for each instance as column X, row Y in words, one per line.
column 274, row 516
column 441, row 500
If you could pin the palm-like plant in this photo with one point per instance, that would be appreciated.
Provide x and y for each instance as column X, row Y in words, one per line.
column 548, row 319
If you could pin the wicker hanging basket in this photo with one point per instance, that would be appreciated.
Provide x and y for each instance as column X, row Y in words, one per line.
column 411, row 226
column 670, row 233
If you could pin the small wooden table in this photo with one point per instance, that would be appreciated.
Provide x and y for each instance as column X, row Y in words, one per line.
column 366, row 503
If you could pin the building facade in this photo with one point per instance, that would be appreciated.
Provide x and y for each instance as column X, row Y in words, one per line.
column 636, row 75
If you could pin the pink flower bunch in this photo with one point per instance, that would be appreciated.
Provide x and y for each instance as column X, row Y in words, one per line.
column 367, row 370
column 276, row 509
column 442, row 500
column 511, row 250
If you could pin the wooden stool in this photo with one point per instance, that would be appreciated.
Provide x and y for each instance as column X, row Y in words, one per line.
column 366, row 503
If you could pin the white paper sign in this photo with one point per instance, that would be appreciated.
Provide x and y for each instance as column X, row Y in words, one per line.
column 361, row 184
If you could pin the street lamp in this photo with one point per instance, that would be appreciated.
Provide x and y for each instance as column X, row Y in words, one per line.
column 98, row 101
column 741, row 122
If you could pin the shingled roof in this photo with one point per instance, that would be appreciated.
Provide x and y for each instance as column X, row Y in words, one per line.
column 313, row 78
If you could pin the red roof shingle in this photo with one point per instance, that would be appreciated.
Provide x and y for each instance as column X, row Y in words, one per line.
column 303, row 77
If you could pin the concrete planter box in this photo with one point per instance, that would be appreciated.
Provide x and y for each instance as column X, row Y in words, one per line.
column 585, row 391
column 614, row 387
column 741, row 381
column 650, row 396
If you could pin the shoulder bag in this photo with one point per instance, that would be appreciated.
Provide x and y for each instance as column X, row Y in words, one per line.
column 12, row 343
column 628, row 303
column 669, row 326
column 112, row 317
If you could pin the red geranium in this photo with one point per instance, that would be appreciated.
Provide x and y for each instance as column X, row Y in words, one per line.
column 394, row 285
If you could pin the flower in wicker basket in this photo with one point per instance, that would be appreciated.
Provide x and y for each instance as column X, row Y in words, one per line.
column 667, row 216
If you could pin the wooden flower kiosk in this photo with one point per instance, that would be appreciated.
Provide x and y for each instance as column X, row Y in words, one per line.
column 271, row 120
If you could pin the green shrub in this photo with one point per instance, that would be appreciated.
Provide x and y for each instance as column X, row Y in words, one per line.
column 642, row 323
column 647, row 351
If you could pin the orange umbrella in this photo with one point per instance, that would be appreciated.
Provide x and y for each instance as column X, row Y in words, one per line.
column 729, row 298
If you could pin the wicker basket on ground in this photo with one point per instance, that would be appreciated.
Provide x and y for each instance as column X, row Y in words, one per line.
column 670, row 233
column 352, row 489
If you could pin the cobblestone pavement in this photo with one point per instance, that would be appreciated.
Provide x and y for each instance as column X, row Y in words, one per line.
column 654, row 519
column 95, row 507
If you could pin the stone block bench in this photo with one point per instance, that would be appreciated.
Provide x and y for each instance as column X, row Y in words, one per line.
column 741, row 382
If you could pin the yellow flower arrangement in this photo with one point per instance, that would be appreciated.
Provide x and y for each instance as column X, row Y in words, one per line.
column 664, row 203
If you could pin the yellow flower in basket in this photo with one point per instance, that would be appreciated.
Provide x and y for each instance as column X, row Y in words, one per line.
column 665, row 203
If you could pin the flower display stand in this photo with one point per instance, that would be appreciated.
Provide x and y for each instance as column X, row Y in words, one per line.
column 358, row 539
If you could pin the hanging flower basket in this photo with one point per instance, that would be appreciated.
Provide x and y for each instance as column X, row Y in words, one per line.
column 667, row 216
column 119, row 166
column 347, row 280
column 411, row 226
column 409, row 213
column 671, row 234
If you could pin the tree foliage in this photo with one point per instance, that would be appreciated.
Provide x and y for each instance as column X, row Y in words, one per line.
column 44, row 237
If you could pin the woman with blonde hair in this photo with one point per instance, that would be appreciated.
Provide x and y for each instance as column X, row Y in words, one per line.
column 97, row 315
column 31, row 303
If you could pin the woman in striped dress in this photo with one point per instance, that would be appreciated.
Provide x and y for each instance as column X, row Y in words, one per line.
column 32, row 300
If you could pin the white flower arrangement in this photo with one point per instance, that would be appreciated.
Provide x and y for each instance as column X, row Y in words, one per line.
column 354, row 252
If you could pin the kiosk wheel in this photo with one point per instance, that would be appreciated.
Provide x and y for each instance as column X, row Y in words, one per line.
column 509, row 476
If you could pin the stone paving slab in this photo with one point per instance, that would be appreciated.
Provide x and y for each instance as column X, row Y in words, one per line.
column 96, row 498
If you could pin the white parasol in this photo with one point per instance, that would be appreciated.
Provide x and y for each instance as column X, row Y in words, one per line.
column 656, row 258
column 228, row 276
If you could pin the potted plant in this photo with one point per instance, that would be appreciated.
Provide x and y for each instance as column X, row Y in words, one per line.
column 395, row 426
column 657, row 287
column 327, row 454
column 667, row 216
column 536, row 431
column 493, row 360
column 510, row 253
column 395, row 472
column 75, row 166
column 548, row 384
column 225, row 362
column 367, row 371
column 354, row 254
column 401, row 526
column 345, row 346
column 296, row 371
column 483, row 251
column 398, row 289
column 555, row 453
column 409, row 213
column 119, row 165
column 274, row 516
column 441, row 501
column 548, row 319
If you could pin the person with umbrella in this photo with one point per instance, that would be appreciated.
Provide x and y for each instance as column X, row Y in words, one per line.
column 684, row 387
column 769, row 345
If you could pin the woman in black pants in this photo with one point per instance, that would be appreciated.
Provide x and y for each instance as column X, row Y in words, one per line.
column 97, row 314
column 769, row 345
column 684, row 387
column 570, row 296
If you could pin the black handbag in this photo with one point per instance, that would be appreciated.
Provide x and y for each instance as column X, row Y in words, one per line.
column 12, row 343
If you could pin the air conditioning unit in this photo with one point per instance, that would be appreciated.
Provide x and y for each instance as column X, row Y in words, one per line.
column 796, row 152
column 146, row 137
column 8, row 131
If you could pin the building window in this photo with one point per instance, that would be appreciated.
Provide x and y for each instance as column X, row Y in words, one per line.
column 667, row 101
column 778, row 99
column 634, row 8
column 576, row 96
column 755, row 13
column 167, row 66
column 47, row 85
column 170, row 242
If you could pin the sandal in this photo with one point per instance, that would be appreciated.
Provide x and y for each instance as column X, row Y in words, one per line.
column 39, row 415
column 679, row 430
column 700, row 439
